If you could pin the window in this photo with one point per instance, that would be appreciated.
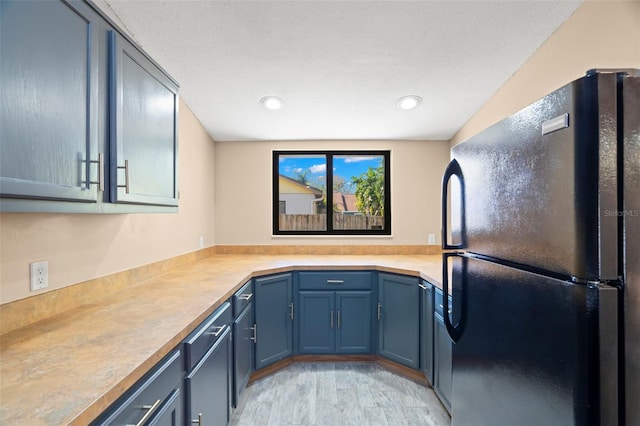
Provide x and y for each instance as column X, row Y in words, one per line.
column 331, row 193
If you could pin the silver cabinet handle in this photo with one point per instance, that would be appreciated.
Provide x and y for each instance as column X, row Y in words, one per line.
column 255, row 333
column 338, row 318
column 198, row 421
column 218, row 331
column 126, row 176
column 335, row 281
column 100, row 181
column 291, row 311
column 422, row 286
column 150, row 409
column 442, row 307
column 245, row 296
column 379, row 310
column 331, row 319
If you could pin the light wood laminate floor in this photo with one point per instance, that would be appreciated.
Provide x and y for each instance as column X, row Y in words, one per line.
column 338, row 394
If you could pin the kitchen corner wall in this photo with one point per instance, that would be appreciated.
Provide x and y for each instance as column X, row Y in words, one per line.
column 599, row 34
column 244, row 188
column 80, row 247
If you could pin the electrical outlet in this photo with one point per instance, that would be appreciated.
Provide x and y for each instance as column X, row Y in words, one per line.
column 201, row 242
column 39, row 275
column 431, row 239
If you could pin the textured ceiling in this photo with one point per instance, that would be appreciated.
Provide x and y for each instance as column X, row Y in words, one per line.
column 340, row 66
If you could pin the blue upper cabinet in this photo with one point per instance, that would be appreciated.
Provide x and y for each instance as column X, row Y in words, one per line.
column 143, row 128
column 88, row 122
column 49, row 101
column 274, row 315
column 399, row 319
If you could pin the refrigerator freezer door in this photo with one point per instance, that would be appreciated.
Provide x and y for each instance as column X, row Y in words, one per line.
column 529, row 351
column 630, row 216
column 541, row 185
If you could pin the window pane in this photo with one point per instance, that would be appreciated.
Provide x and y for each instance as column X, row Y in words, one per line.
column 358, row 192
column 302, row 184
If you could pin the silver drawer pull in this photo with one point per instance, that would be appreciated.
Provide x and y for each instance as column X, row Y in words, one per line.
column 379, row 310
column 150, row 409
column 422, row 286
column 335, row 281
column 338, row 318
column 331, row 319
column 245, row 296
column 219, row 331
column 291, row 311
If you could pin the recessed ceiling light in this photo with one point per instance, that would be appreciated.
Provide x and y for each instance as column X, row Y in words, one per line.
column 409, row 102
column 272, row 102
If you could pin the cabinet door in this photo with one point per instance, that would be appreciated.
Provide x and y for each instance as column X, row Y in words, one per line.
column 48, row 100
column 143, row 128
column 353, row 322
column 243, row 351
column 144, row 399
column 442, row 362
column 208, row 385
column 170, row 414
column 274, row 312
column 426, row 330
column 399, row 306
column 317, row 322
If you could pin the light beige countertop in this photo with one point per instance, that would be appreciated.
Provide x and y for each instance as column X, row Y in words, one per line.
column 69, row 368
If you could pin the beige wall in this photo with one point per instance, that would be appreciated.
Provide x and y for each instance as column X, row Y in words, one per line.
column 243, row 191
column 84, row 246
column 599, row 34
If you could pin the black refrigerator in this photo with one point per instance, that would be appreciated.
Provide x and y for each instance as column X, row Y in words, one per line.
column 541, row 231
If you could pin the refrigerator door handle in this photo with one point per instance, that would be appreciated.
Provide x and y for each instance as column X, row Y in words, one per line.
column 454, row 331
column 453, row 169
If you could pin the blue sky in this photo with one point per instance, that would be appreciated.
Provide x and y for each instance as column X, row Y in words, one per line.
column 345, row 166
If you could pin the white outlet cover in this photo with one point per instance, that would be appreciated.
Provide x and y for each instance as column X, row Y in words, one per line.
column 431, row 239
column 39, row 275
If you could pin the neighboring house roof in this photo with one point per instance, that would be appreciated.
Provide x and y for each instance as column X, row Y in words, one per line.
column 288, row 185
column 344, row 202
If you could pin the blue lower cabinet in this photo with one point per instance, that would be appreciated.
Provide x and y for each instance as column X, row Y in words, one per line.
column 354, row 322
column 399, row 319
column 170, row 412
column 208, row 363
column 155, row 400
column 426, row 330
column 274, row 315
column 334, row 322
column 316, row 322
column 243, row 337
column 442, row 353
column 208, row 385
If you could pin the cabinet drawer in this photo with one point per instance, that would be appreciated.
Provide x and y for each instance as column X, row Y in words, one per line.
column 203, row 337
column 339, row 280
column 150, row 397
column 242, row 298
column 439, row 306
